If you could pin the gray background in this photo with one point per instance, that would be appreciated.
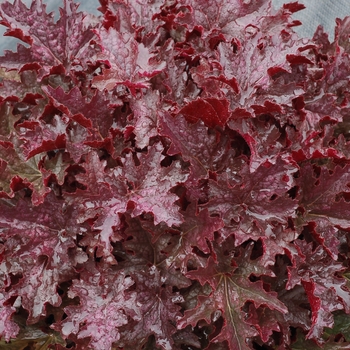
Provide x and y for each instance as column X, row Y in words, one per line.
column 317, row 12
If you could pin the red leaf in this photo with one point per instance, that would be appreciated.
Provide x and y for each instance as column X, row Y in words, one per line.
column 130, row 62
column 159, row 310
column 206, row 150
column 199, row 228
column 93, row 113
column 264, row 320
column 99, row 297
column 145, row 248
column 39, row 266
column 325, row 290
column 129, row 16
column 227, row 299
column 8, row 328
column 52, row 43
column 231, row 290
column 322, row 205
column 220, row 15
column 211, row 111
column 146, row 187
column 145, row 112
column 249, row 206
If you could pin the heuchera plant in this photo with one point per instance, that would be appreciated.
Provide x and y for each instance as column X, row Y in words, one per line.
column 175, row 174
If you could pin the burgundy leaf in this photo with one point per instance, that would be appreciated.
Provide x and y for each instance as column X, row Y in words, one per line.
column 261, row 198
column 220, row 16
column 262, row 136
column 40, row 267
column 197, row 232
column 128, row 16
column 231, row 290
column 199, row 228
column 211, row 111
column 159, row 310
column 130, row 62
column 146, row 187
column 44, row 137
column 99, row 297
column 51, row 43
column 324, row 203
column 91, row 113
column 325, row 290
column 264, row 320
column 145, row 112
column 173, row 175
column 193, row 141
column 227, row 299
column 145, row 249
column 151, row 185
column 8, row 328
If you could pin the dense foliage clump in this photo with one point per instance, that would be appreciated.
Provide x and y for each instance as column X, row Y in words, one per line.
column 174, row 174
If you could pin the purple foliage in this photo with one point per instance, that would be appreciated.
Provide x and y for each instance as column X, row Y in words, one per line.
column 174, row 174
